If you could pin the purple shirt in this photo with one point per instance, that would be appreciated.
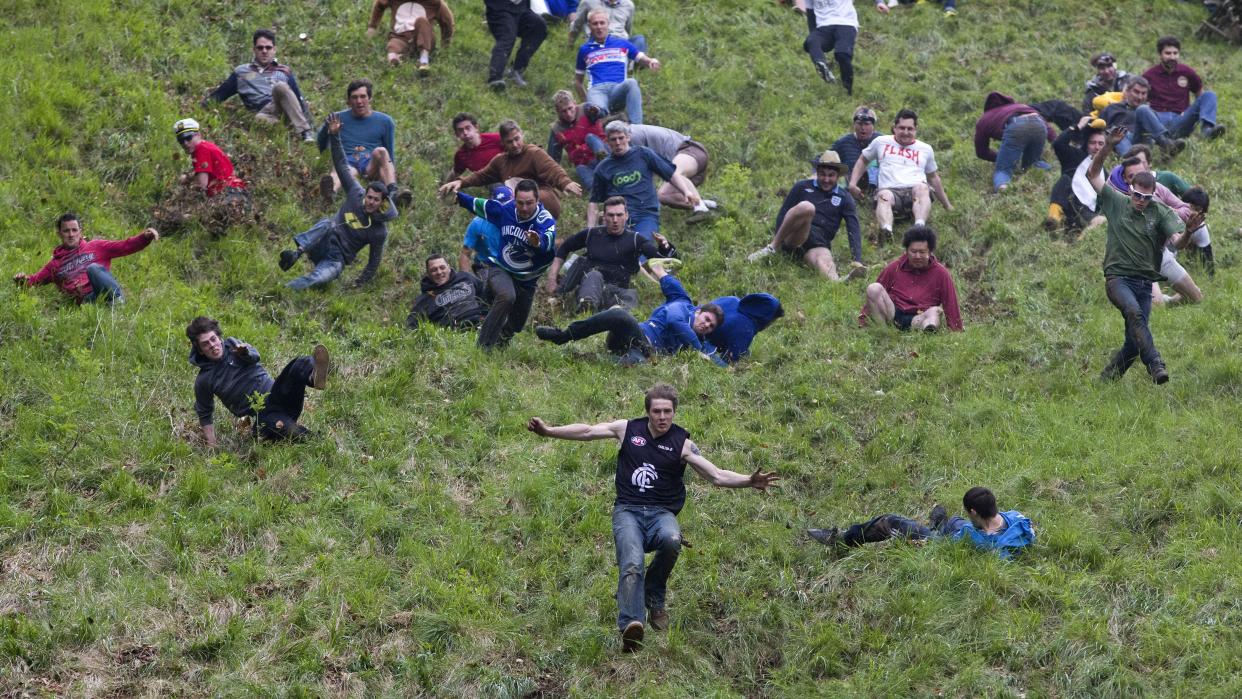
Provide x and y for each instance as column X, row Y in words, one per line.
column 992, row 126
column 1170, row 90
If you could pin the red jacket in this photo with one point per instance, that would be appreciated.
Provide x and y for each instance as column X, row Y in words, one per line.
column 916, row 290
column 68, row 265
column 573, row 139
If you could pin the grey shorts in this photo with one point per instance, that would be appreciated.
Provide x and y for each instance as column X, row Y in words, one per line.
column 695, row 150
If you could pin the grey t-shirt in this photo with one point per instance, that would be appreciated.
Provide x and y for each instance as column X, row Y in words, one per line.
column 657, row 138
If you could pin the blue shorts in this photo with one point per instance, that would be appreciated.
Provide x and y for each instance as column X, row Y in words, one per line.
column 902, row 319
column 360, row 161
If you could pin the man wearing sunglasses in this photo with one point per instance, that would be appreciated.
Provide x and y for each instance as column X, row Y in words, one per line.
column 267, row 88
column 1138, row 229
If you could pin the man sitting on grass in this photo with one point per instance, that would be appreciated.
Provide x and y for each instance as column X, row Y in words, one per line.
column 915, row 290
column 650, row 492
column 986, row 528
column 676, row 325
column 83, row 268
column 230, row 370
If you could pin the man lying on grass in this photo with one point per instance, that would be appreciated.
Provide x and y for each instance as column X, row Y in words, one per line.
column 986, row 528
column 674, row 326
column 650, row 492
column 230, row 369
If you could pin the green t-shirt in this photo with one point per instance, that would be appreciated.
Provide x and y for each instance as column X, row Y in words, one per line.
column 1175, row 184
column 1135, row 238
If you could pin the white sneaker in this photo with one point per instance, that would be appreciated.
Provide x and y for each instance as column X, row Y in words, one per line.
column 761, row 253
column 709, row 203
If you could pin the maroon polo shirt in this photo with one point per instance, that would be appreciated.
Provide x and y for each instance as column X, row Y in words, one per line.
column 1171, row 90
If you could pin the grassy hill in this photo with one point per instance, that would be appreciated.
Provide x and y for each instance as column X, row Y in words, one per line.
column 425, row 544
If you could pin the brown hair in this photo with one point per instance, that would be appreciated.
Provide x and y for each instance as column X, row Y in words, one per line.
column 661, row 391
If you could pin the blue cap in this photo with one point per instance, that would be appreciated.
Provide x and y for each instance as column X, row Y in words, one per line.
column 502, row 194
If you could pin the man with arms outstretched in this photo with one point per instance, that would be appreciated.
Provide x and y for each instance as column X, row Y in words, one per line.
column 650, row 492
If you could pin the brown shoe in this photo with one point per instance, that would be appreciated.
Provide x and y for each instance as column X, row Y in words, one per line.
column 658, row 618
column 632, row 637
column 319, row 376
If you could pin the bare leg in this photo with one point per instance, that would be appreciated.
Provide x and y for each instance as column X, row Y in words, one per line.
column 820, row 260
column 670, row 195
column 884, row 209
column 336, row 181
column 879, row 306
column 928, row 320
column 795, row 227
column 922, row 202
column 381, row 166
column 1187, row 291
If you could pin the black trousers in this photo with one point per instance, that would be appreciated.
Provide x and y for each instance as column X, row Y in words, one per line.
column 508, row 22
column 840, row 39
column 624, row 331
column 510, row 301
column 284, row 403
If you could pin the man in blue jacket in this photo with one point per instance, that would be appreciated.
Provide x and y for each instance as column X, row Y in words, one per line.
column 987, row 528
column 676, row 325
column 743, row 319
column 515, row 260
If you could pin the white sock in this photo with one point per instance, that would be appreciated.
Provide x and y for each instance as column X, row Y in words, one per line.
column 920, row 222
column 709, row 203
column 701, row 208
column 887, row 228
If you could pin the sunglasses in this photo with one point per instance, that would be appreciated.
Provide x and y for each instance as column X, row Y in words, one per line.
column 264, row 48
column 864, row 120
column 185, row 137
column 1142, row 197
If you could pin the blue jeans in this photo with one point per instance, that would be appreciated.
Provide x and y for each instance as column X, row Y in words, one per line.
column 1133, row 298
column 640, row 42
column 626, row 94
column 1022, row 144
column 1147, row 128
column 1203, row 109
column 893, row 526
column 637, row 530
column 103, row 284
column 324, row 272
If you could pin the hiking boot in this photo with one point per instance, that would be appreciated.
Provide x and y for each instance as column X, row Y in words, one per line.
column 632, row 637
column 1171, row 146
column 325, row 187
column 950, row 13
column 424, row 70
column 827, row 537
column 1211, row 132
column 761, row 253
column 516, row 77
column 937, row 517
column 825, row 72
column 1115, row 369
column 319, row 377
column 288, row 258
column 658, row 618
column 857, row 270
column 551, row 333
column 404, row 198
column 498, row 84
column 1159, row 374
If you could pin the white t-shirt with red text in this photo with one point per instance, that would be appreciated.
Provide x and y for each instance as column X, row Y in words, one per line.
column 901, row 166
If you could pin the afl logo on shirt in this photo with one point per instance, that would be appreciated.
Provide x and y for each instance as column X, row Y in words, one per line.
column 638, row 441
column 644, row 477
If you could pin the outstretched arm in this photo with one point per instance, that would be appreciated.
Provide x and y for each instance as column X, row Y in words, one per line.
column 578, row 431
column 1095, row 173
column 721, row 478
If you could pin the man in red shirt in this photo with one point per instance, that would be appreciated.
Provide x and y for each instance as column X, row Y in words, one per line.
column 213, row 171
column 477, row 149
column 915, row 290
column 82, row 268
column 1172, row 84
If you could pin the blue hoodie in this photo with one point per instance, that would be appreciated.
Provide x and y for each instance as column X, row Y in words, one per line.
column 743, row 319
column 1017, row 533
column 671, row 326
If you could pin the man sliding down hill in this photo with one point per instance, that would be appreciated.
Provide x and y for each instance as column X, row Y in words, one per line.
column 83, row 268
column 650, row 492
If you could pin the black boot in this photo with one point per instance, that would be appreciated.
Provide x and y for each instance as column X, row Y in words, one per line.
column 552, row 333
column 1116, row 368
column 1209, row 259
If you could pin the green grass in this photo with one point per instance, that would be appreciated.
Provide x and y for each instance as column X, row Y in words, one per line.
column 426, row 544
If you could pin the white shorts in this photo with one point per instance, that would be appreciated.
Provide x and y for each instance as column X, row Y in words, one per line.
column 1170, row 268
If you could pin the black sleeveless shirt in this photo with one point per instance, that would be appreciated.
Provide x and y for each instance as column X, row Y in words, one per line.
column 650, row 469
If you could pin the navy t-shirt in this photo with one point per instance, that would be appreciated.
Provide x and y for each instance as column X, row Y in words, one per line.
column 650, row 469
column 630, row 176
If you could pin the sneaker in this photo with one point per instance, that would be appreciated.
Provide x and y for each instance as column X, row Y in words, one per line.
column 950, row 13
column 516, row 77
column 325, row 187
column 308, row 136
column 404, row 198
column 592, row 112
column 761, row 253
column 634, row 357
column 668, row 264
column 1172, row 146
column 551, row 333
column 1159, row 374
column 498, row 84
column 424, row 70
column 827, row 537
column 711, row 204
column 658, row 618
column 937, row 517
column 319, row 377
column 825, row 72
column 288, row 258
column 632, row 637
column 857, row 270
column 1211, row 132
column 1051, row 224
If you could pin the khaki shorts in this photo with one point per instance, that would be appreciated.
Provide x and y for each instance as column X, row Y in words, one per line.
column 695, row 150
column 903, row 200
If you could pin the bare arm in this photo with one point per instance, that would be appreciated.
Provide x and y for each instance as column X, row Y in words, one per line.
column 463, row 259
column 937, row 186
column 686, row 187
column 860, row 166
column 579, row 432
column 1095, row 172
column 720, row 477
column 592, row 212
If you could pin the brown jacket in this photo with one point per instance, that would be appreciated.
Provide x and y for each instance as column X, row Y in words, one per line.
column 438, row 12
column 533, row 163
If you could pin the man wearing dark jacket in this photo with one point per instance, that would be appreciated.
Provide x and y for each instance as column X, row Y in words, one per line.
column 361, row 221
column 1022, row 133
column 267, row 88
column 744, row 318
column 448, row 299
column 229, row 369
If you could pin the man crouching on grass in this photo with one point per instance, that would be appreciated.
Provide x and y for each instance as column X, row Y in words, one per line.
column 650, row 492
column 229, row 369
